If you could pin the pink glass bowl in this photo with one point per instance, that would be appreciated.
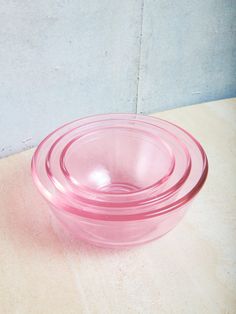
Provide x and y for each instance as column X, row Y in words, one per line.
column 119, row 179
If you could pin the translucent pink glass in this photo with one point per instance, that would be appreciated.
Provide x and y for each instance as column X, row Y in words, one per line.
column 119, row 179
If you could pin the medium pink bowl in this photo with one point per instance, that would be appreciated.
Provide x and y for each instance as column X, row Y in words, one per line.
column 119, row 179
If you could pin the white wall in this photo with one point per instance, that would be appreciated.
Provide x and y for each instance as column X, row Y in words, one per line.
column 188, row 53
column 60, row 60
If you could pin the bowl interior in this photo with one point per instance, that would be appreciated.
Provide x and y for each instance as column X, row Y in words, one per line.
column 117, row 161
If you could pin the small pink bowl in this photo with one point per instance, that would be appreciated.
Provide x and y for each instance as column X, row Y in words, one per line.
column 119, row 179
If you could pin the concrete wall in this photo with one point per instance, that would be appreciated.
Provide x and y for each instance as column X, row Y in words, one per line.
column 60, row 60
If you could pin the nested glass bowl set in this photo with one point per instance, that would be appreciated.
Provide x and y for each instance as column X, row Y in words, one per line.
column 119, row 180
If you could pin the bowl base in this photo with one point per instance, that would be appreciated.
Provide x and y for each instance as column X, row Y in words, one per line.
column 119, row 188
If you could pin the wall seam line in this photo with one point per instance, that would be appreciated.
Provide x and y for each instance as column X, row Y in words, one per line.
column 137, row 102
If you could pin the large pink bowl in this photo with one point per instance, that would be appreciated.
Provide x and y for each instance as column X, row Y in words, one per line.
column 119, row 179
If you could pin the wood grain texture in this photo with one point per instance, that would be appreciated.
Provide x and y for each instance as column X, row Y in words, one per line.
column 190, row 270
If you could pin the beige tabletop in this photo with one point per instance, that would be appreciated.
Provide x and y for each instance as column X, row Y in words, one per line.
column 190, row 270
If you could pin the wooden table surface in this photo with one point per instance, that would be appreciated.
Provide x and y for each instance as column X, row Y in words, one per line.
column 190, row 270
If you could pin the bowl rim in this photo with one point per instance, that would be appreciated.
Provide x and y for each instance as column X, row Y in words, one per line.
column 60, row 205
column 158, row 182
column 151, row 188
